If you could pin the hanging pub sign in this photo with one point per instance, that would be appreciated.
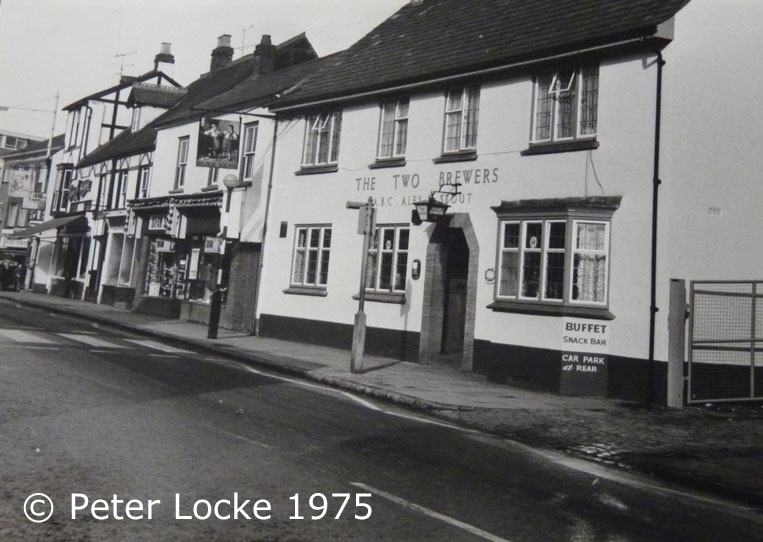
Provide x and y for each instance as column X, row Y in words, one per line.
column 218, row 143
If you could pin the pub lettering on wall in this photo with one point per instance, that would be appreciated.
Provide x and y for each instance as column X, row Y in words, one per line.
column 404, row 183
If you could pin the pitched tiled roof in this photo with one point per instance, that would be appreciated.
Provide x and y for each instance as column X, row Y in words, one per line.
column 261, row 90
column 206, row 88
column 35, row 147
column 438, row 38
column 154, row 95
column 125, row 144
column 214, row 84
column 126, row 82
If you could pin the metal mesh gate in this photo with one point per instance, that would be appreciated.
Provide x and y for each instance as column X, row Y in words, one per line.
column 726, row 341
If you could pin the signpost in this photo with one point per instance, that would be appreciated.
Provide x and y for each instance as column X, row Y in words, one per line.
column 366, row 226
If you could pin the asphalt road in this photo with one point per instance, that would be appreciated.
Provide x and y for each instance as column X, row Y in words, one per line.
column 132, row 439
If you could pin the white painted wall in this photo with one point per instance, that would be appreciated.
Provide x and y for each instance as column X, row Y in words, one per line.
column 623, row 166
column 714, row 173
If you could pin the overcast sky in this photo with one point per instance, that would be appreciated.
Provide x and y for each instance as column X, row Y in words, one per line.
column 71, row 46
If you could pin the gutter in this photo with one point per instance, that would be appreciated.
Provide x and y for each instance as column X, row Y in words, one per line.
column 459, row 76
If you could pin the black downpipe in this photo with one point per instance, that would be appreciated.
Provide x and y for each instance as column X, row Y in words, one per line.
column 653, row 309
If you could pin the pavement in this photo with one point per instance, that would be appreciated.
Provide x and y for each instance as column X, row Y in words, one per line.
column 712, row 449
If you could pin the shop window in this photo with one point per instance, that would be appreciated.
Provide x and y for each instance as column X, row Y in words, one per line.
column 310, row 265
column 127, row 259
column 322, row 132
column 461, row 119
column 554, row 256
column 388, row 260
column 393, row 129
column 250, row 145
column 566, row 105
column 164, row 273
column 204, row 263
column 115, row 256
column 182, row 161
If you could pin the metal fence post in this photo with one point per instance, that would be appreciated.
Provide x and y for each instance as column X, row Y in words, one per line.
column 676, row 343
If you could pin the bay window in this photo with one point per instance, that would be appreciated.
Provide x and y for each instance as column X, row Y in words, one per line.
column 553, row 256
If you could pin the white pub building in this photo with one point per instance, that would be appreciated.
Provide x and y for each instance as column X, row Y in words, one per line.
column 564, row 142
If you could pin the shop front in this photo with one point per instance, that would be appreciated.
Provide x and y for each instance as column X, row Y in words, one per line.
column 179, row 254
column 69, row 259
column 118, row 277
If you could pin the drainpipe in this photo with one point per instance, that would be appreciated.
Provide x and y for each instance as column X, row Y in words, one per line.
column 653, row 309
column 265, row 227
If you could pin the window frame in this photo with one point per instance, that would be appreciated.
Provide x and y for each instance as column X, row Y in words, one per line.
column 321, row 250
column 120, row 194
column 135, row 120
column 324, row 124
column 465, row 125
column 181, row 166
column 581, row 74
column 144, row 181
column 397, row 134
column 572, row 212
column 374, row 273
column 12, row 214
column 64, row 177
column 249, row 149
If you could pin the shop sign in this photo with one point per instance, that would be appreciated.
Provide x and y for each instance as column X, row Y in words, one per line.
column 406, row 189
column 156, row 222
column 584, row 357
column 34, row 200
column 80, row 190
column 20, row 182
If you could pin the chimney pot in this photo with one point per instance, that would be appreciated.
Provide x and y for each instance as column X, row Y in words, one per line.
column 164, row 61
column 222, row 55
column 264, row 56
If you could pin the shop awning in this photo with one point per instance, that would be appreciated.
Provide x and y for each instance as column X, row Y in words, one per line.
column 52, row 224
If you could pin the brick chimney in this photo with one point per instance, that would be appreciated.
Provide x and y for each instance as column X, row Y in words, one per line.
column 165, row 61
column 222, row 55
column 264, row 56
